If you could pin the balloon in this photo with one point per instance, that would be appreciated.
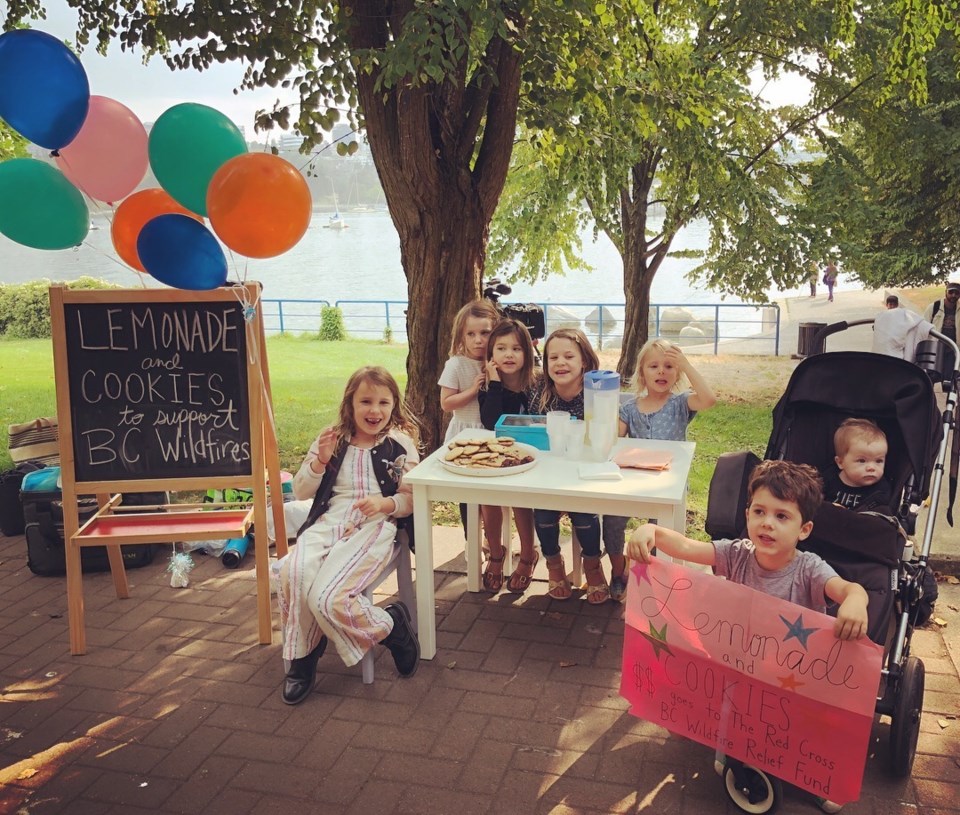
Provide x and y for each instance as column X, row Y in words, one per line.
column 259, row 205
column 188, row 144
column 182, row 252
column 108, row 158
column 39, row 207
column 44, row 92
column 131, row 216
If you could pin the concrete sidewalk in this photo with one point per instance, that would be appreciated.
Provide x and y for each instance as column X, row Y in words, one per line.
column 176, row 709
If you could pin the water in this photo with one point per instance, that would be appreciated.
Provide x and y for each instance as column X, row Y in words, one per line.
column 360, row 262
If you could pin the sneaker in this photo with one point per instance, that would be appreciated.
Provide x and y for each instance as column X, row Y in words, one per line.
column 828, row 806
column 402, row 641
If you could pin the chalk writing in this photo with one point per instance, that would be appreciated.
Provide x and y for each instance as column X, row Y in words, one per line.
column 158, row 390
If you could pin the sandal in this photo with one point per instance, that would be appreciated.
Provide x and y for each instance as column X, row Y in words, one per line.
column 598, row 592
column 558, row 589
column 519, row 581
column 493, row 581
column 618, row 587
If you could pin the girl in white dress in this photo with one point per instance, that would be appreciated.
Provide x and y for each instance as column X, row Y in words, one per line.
column 353, row 472
column 463, row 376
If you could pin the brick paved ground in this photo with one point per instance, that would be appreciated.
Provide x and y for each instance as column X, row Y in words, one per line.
column 175, row 709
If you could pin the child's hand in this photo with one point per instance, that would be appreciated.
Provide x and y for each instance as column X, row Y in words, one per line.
column 374, row 505
column 643, row 539
column 851, row 619
column 479, row 382
column 326, row 444
column 493, row 372
column 675, row 355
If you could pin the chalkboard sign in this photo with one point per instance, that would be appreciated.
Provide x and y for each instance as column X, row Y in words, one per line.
column 157, row 389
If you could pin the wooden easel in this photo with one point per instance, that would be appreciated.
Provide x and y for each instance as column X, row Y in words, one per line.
column 143, row 378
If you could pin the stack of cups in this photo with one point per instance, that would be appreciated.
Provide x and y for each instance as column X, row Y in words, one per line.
column 558, row 425
column 576, row 433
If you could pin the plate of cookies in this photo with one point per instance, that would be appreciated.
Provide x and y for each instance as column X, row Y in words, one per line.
column 489, row 457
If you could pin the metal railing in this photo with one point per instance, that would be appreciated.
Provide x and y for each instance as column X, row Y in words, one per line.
column 751, row 328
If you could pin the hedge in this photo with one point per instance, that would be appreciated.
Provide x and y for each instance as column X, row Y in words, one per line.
column 25, row 307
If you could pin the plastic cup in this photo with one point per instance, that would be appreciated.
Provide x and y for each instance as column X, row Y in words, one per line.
column 576, row 433
column 558, row 425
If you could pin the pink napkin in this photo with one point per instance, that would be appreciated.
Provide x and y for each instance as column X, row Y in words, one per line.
column 643, row 459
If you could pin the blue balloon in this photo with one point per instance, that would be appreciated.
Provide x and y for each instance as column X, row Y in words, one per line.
column 44, row 92
column 182, row 252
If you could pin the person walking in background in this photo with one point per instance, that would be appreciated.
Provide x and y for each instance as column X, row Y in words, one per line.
column 354, row 474
column 813, row 277
column 896, row 331
column 662, row 410
column 943, row 313
column 830, row 279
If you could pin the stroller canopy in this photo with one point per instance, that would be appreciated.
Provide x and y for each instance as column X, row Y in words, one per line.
column 827, row 388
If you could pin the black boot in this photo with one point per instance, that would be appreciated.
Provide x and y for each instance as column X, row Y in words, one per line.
column 302, row 673
column 402, row 641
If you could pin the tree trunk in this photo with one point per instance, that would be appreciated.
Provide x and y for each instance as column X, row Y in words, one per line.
column 442, row 151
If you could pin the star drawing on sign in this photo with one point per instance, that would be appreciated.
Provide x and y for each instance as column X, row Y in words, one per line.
column 789, row 682
column 796, row 629
column 658, row 639
column 641, row 571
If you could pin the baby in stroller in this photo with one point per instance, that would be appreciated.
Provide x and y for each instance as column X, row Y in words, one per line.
column 857, row 482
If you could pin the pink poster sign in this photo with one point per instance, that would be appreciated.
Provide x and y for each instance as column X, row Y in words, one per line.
column 758, row 678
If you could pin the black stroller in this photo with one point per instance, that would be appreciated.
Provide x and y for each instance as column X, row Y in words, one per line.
column 869, row 548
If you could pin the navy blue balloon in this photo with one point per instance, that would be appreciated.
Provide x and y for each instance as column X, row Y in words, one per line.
column 182, row 252
column 44, row 92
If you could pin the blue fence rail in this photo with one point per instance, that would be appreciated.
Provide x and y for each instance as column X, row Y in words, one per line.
column 748, row 328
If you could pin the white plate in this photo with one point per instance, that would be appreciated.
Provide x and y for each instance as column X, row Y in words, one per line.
column 493, row 472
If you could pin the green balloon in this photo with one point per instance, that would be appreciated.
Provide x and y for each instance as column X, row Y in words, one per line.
column 39, row 207
column 188, row 144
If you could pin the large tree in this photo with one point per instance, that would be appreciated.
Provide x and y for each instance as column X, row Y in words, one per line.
column 665, row 128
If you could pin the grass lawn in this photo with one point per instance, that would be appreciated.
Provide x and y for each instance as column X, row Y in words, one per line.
column 307, row 380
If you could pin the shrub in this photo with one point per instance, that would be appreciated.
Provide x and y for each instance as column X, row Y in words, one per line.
column 331, row 324
column 25, row 307
column 387, row 334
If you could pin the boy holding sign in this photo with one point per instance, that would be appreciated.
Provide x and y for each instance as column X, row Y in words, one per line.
column 782, row 500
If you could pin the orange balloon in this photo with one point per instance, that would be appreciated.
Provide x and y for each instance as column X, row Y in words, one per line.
column 133, row 213
column 259, row 205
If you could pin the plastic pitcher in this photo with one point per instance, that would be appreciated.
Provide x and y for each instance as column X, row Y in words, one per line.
column 601, row 410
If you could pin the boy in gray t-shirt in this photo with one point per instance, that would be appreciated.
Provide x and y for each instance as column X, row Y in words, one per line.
column 782, row 500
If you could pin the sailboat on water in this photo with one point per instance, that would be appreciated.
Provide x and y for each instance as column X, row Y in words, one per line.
column 335, row 221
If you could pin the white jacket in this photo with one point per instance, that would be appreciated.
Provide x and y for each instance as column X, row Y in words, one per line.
column 897, row 331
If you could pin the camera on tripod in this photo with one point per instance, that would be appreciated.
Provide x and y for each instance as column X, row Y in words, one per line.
column 530, row 314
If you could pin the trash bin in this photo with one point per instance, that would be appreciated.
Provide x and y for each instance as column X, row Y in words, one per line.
column 805, row 339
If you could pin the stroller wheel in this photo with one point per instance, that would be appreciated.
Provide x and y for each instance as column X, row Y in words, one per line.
column 752, row 790
column 907, row 708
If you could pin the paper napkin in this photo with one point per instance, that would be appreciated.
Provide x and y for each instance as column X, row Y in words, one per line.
column 599, row 471
column 643, row 459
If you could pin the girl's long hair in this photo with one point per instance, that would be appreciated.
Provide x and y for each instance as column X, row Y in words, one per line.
column 589, row 358
column 475, row 308
column 654, row 344
column 400, row 417
column 505, row 328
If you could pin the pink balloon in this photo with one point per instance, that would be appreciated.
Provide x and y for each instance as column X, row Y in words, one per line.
column 108, row 158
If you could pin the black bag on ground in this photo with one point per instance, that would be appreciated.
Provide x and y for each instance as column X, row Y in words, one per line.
column 11, row 510
column 43, row 516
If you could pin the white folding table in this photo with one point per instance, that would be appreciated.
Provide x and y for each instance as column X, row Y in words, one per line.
column 553, row 483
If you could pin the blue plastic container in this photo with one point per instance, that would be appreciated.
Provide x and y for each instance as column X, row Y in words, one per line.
column 526, row 428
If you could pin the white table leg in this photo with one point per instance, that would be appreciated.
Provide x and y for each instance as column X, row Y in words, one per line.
column 423, row 536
